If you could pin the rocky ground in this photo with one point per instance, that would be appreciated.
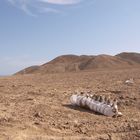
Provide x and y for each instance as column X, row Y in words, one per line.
column 37, row 107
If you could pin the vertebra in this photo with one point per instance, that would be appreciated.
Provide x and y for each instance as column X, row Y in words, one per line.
column 97, row 103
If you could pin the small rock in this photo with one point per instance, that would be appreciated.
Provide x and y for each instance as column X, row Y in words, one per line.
column 37, row 123
column 121, row 97
column 37, row 115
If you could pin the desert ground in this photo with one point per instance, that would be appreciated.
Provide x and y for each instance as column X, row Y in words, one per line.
column 37, row 106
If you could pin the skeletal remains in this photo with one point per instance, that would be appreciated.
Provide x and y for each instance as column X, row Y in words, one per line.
column 97, row 103
column 130, row 81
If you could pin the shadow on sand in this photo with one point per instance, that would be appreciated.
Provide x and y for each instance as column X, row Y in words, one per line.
column 80, row 109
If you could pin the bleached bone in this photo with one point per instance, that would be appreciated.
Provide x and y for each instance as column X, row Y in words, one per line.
column 101, row 98
column 105, row 100
column 105, row 108
column 108, row 100
column 130, row 81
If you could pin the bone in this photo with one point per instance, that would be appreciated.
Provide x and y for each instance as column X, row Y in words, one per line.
column 87, row 95
column 91, row 103
column 96, row 98
column 105, row 100
column 101, row 99
column 130, row 81
column 91, row 96
column 119, row 114
column 108, row 100
column 115, row 101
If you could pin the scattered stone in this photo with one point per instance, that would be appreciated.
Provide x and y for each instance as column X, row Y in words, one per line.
column 121, row 97
column 38, row 115
column 37, row 123
column 13, row 85
column 116, row 91
column 29, row 99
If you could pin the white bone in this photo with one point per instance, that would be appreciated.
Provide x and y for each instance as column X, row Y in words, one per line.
column 95, row 105
column 130, row 81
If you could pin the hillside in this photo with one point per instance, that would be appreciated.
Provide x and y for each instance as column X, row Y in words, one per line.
column 31, row 69
column 73, row 63
column 133, row 57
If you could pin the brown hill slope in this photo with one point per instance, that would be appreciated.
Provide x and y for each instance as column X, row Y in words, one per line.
column 29, row 70
column 134, row 57
column 69, row 59
column 105, row 61
column 72, row 63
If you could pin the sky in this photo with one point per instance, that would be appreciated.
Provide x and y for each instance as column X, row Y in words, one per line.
column 33, row 32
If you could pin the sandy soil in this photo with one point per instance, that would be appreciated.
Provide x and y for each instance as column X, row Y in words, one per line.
column 37, row 107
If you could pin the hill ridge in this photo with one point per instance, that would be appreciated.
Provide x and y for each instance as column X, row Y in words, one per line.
column 73, row 63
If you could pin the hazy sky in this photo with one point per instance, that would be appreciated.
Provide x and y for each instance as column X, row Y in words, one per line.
column 36, row 31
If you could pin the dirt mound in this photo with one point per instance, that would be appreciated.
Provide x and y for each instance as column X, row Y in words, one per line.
column 73, row 63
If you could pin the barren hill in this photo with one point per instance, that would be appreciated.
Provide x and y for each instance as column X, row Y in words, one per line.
column 31, row 69
column 133, row 57
column 73, row 63
column 104, row 61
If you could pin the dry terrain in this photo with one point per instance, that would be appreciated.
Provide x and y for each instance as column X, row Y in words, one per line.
column 37, row 106
column 75, row 63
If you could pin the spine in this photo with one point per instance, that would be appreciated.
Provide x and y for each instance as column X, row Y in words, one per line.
column 97, row 103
